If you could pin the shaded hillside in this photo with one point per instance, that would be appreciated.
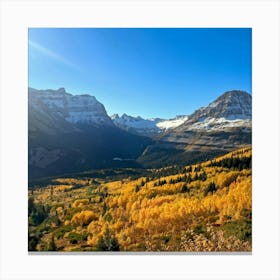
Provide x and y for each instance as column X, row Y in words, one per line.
column 66, row 134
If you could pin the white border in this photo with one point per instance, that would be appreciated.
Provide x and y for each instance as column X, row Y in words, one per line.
column 17, row 16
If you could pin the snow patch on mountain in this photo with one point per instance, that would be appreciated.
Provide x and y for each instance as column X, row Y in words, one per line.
column 72, row 108
column 220, row 124
column 146, row 126
column 136, row 125
column 134, row 122
column 172, row 123
column 231, row 109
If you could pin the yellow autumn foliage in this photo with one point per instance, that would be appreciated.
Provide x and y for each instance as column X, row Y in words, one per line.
column 80, row 202
column 83, row 218
column 145, row 216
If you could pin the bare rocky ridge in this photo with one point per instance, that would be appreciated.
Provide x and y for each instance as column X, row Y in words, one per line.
column 231, row 111
column 71, row 133
column 148, row 127
column 68, row 133
column 231, row 105
column 223, row 125
column 72, row 108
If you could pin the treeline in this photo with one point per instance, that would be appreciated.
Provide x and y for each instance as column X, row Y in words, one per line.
column 233, row 163
column 187, row 178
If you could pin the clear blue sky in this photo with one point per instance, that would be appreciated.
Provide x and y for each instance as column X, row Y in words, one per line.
column 147, row 71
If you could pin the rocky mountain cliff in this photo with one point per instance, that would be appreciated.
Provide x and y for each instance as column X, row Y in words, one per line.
column 72, row 108
column 68, row 133
column 231, row 109
column 71, row 133
column 223, row 125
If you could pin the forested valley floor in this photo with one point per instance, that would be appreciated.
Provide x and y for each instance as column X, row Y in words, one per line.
column 204, row 207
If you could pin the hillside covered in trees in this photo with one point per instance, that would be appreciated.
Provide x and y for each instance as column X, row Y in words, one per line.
column 199, row 208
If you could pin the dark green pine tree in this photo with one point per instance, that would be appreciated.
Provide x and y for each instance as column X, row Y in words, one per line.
column 52, row 245
column 185, row 189
column 211, row 188
column 137, row 188
column 108, row 242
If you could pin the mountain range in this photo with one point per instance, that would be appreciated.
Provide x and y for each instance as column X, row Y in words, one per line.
column 148, row 127
column 71, row 133
column 68, row 133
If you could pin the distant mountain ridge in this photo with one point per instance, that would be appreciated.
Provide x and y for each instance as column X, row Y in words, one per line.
column 148, row 127
column 231, row 109
column 69, row 133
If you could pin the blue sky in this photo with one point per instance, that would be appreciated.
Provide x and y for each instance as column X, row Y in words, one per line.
column 147, row 71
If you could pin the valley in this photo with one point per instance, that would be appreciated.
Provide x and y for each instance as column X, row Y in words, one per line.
column 101, row 183
column 73, row 133
column 202, row 207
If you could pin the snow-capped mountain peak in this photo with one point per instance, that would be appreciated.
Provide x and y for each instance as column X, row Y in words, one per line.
column 72, row 108
column 114, row 116
column 231, row 105
column 235, row 104
column 146, row 127
column 136, row 125
column 231, row 109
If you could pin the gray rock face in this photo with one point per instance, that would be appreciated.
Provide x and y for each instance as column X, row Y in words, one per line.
column 231, row 110
column 68, row 133
column 72, row 108
column 224, row 125
column 231, row 105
